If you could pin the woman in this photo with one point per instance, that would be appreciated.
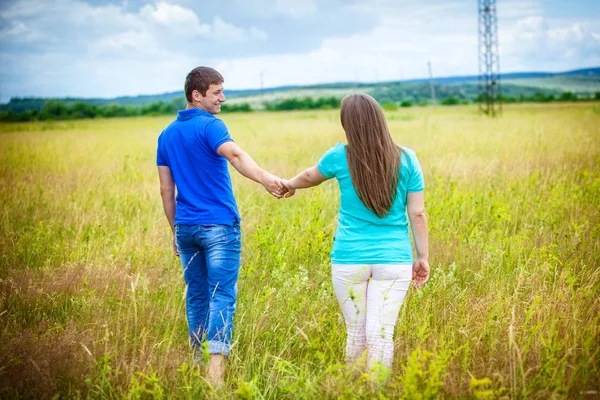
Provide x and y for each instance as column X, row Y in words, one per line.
column 372, row 256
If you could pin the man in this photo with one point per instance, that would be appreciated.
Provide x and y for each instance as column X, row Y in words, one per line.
column 192, row 157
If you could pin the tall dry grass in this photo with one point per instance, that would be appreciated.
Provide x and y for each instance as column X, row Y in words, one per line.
column 91, row 296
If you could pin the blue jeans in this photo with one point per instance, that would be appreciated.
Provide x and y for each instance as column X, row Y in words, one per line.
column 210, row 256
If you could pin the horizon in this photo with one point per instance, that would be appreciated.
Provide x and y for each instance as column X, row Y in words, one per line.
column 298, row 86
column 130, row 49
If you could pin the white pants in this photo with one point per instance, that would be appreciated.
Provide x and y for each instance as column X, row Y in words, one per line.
column 371, row 297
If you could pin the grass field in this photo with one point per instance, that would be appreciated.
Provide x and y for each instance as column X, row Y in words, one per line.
column 91, row 296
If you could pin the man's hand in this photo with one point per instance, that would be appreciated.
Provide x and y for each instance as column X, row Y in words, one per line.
column 273, row 185
column 175, row 246
column 420, row 272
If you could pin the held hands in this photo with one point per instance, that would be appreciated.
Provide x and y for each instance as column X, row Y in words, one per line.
column 288, row 187
column 420, row 272
column 276, row 187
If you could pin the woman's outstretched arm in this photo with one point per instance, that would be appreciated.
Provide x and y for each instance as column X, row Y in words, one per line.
column 308, row 178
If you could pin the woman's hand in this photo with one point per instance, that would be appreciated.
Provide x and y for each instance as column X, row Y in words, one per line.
column 420, row 272
column 290, row 189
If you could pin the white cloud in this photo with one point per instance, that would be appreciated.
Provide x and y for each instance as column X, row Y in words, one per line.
column 24, row 8
column 258, row 34
column 264, row 9
column 533, row 38
column 511, row 9
column 405, row 40
column 14, row 30
column 171, row 18
column 77, row 49
column 295, row 8
column 222, row 29
column 163, row 22
column 394, row 50
column 85, row 50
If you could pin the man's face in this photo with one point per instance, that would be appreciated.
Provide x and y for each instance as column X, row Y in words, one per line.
column 213, row 99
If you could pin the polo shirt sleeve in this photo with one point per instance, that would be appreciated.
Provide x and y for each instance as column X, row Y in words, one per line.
column 161, row 160
column 216, row 134
column 328, row 164
column 415, row 175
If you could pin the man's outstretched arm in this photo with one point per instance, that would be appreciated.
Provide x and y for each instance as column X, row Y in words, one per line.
column 245, row 165
column 167, row 193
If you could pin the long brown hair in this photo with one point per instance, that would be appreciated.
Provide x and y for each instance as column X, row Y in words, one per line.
column 373, row 157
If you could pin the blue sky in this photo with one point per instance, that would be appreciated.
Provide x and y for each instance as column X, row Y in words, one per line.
column 106, row 48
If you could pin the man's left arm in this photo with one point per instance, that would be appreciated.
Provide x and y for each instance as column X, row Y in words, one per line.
column 167, row 193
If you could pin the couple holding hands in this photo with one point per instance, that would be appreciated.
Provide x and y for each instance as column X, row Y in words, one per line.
column 372, row 262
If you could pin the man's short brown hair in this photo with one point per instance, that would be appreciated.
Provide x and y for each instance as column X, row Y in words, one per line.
column 200, row 78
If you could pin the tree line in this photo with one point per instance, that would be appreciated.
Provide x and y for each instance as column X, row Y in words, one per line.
column 57, row 110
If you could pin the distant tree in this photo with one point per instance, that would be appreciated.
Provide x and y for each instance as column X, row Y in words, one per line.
column 18, row 105
column 450, row 101
column 158, row 108
column 244, row 107
column 406, row 103
column 114, row 110
column 540, row 97
column 8, row 116
column 325, row 103
column 57, row 110
column 240, row 107
column 54, row 109
column 25, row 116
column 306, row 103
column 290, row 104
column 567, row 96
column 82, row 110
column 597, row 96
column 506, row 99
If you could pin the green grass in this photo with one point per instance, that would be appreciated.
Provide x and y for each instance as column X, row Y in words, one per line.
column 91, row 296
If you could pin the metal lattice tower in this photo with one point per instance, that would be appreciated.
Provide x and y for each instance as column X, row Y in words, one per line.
column 490, row 91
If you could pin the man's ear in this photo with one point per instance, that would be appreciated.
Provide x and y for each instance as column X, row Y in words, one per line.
column 196, row 95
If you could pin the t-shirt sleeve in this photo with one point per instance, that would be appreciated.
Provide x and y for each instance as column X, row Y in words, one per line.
column 160, row 157
column 328, row 165
column 415, row 175
column 216, row 134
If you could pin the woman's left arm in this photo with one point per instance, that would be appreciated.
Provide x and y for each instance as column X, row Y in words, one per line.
column 308, row 178
column 418, row 223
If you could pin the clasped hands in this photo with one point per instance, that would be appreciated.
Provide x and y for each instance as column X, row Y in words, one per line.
column 277, row 187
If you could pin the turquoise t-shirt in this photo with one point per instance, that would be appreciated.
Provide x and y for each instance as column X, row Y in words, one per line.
column 362, row 237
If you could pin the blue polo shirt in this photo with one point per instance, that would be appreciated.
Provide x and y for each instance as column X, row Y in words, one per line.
column 362, row 237
column 188, row 146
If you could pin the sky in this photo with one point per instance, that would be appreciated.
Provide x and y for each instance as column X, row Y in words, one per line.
column 105, row 48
